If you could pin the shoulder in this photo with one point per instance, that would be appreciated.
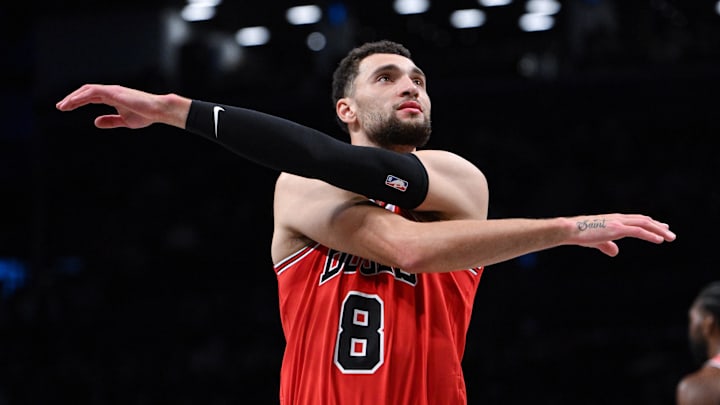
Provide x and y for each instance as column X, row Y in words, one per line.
column 457, row 187
column 700, row 387
column 289, row 185
column 444, row 159
column 452, row 167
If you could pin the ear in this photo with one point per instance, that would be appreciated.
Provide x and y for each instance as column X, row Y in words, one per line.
column 345, row 111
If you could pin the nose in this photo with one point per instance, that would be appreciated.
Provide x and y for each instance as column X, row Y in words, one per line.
column 408, row 87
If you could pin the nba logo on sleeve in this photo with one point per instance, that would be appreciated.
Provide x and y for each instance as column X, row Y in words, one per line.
column 396, row 182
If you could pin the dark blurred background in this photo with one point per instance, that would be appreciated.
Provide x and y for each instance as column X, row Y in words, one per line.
column 135, row 266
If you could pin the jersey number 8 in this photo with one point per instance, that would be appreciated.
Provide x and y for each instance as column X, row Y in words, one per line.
column 360, row 344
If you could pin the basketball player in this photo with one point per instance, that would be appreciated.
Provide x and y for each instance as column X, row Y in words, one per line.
column 702, row 387
column 378, row 247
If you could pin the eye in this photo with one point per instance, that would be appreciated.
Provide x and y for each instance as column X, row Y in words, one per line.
column 418, row 82
column 383, row 78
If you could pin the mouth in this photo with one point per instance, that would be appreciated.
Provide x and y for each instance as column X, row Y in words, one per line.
column 411, row 106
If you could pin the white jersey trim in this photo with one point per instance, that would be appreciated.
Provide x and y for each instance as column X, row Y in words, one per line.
column 293, row 258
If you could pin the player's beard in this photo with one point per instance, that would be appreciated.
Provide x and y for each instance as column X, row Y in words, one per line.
column 698, row 350
column 391, row 131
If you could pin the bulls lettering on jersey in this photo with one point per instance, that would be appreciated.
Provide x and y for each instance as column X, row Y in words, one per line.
column 339, row 261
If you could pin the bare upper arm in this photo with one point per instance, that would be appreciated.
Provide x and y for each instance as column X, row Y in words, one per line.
column 457, row 189
column 307, row 210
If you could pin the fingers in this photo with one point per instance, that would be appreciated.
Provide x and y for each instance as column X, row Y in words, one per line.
column 666, row 233
column 639, row 227
column 110, row 121
column 67, row 104
column 63, row 105
column 654, row 231
column 610, row 248
column 86, row 94
column 647, row 235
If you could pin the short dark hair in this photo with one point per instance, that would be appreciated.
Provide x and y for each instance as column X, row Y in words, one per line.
column 347, row 69
column 709, row 299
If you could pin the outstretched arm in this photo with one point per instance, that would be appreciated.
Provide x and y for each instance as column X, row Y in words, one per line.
column 397, row 178
column 354, row 226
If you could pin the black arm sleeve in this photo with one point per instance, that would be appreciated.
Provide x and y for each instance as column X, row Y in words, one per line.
column 280, row 144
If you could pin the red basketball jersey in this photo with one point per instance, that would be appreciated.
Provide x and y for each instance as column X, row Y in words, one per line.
column 362, row 333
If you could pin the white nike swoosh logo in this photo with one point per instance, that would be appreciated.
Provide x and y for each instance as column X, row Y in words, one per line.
column 216, row 112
